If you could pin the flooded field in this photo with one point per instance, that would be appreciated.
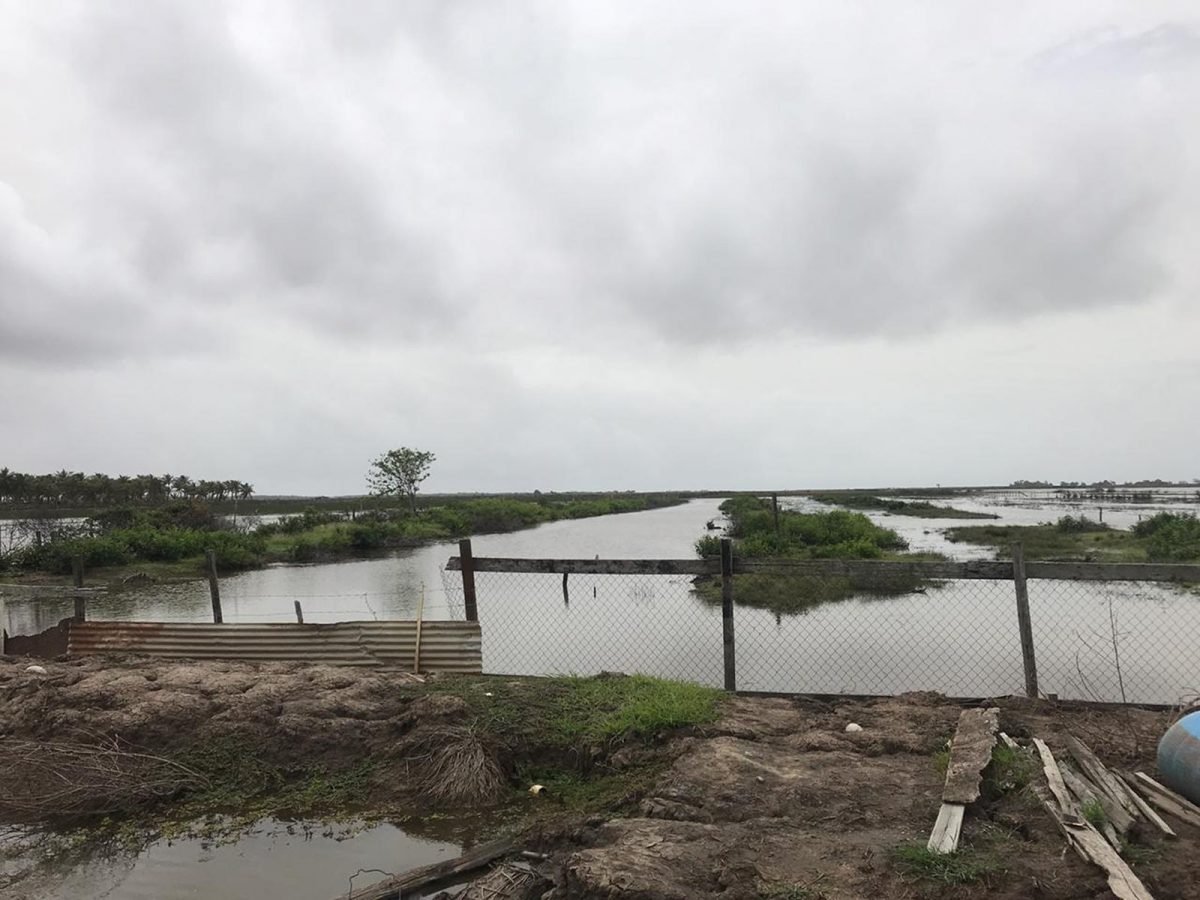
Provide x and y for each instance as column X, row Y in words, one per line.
column 958, row 637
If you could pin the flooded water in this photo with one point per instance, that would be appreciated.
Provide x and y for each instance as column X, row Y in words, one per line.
column 959, row 638
column 387, row 587
column 303, row 861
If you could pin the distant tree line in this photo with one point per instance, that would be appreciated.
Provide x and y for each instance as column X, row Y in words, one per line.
column 1107, row 485
column 75, row 489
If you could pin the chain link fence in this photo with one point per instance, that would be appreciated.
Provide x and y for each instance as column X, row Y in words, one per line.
column 1115, row 641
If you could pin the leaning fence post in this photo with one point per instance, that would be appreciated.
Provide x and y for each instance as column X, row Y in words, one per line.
column 727, row 613
column 468, row 579
column 299, row 612
column 213, row 588
column 77, row 580
column 1024, row 621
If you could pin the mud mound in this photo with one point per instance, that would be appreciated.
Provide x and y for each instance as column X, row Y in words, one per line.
column 285, row 708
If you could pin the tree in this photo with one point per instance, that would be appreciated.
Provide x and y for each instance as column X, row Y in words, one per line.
column 400, row 472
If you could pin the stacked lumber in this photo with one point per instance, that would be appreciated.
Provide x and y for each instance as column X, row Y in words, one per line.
column 1126, row 799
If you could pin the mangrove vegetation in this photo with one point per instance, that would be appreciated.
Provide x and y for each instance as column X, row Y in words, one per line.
column 758, row 532
column 170, row 540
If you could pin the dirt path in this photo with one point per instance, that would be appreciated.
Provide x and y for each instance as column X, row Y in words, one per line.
column 774, row 800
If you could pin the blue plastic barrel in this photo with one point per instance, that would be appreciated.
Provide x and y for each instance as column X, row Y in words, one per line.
column 1179, row 757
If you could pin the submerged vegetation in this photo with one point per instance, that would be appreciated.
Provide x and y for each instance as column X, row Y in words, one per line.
column 1165, row 537
column 175, row 535
column 920, row 508
column 833, row 534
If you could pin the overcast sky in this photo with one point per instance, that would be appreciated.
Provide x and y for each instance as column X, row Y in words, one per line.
column 601, row 245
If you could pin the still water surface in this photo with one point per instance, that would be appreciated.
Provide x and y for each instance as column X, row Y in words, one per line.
column 303, row 861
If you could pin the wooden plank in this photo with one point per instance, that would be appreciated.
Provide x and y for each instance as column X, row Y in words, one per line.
column 1024, row 622
column 1092, row 847
column 1055, row 780
column 1080, row 571
column 396, row 886
column 947, row 828
column 970, row 752
column 214, row 587
column 1146, row 810
column 1167, row 800
column 1086, row 794
column 590, row 566
column 1111, row 792
column 467, row 567
column 1009, row 742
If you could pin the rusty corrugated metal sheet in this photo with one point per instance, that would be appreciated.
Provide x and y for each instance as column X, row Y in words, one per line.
column 445, row 646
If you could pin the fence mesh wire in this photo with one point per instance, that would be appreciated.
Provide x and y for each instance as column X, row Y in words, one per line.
column 1110, row 641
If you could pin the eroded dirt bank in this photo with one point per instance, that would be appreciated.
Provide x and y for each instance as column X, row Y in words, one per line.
column 772, row 799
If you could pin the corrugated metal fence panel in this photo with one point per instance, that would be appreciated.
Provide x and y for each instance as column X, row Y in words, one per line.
column 445, row 646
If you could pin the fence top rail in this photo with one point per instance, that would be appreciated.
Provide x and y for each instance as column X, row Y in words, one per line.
column 591, row 566
column 991, row 570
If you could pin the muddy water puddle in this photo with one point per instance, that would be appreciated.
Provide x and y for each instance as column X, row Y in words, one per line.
column 297, row 860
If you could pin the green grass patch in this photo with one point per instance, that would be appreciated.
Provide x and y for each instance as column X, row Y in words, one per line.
column 941, row 762
column 240, row 779
column 1094, row 812
column 1011, row 769
column 964, row 866
column 919, row 508
column 1066, row 541
column 569, row 712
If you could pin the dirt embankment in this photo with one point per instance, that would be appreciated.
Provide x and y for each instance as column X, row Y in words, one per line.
column 779, row 801
column 774, row 800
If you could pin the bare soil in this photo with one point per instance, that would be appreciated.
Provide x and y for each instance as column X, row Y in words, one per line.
column 775, row 799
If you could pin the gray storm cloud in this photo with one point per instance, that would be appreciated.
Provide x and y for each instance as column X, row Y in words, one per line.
column 470, row 178
column 700, row 177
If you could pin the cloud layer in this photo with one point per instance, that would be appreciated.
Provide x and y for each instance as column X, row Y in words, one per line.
column 449, row 205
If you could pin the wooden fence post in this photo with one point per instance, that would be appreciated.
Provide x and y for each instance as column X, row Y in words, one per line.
column 468, row 579
column 213, row 588
column 77, row 579
column 727, row 613
column 775, row 508
column 566, row 594
column 299, row 612
column 1024, row 622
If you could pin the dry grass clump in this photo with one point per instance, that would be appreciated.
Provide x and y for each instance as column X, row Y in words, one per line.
column 454, row 765
column 46, row 779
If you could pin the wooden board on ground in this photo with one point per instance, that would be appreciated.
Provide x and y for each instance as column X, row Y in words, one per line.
column 947, row 828
column 1145, row 809
column 1110, row 786
column 1167, row 800
column 1091, row 846
column 1055, row 780
column 397, row 886
column 970, row 752
column 1086, row 794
